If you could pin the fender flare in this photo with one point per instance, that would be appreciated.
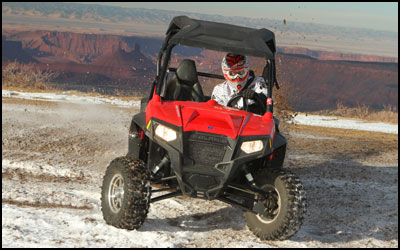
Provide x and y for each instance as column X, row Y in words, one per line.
column 138, row 121
column 134, row 141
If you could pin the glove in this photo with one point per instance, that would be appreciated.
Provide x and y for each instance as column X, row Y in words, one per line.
column 248, row 93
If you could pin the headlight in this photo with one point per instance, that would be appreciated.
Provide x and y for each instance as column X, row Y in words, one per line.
column 252, row 146
column 165, row 133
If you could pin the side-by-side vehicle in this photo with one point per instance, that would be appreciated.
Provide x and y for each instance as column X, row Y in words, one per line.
column 189, row 145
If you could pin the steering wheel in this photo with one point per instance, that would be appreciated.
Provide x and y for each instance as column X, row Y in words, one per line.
column 233, row 101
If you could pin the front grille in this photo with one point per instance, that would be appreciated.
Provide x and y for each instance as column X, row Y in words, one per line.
column 205, row 149
column 202, row 152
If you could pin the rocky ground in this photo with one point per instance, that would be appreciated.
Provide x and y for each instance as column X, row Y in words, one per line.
column 55, row 155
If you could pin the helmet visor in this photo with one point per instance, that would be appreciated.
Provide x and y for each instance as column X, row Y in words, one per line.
column 233, row 74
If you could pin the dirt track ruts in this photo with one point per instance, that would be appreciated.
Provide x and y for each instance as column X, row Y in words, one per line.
column 351, row 177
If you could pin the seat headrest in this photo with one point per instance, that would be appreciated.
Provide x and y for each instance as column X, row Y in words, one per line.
column 187, row 73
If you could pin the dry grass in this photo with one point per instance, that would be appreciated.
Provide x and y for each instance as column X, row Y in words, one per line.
column 388, row 114
column 26, row 76
column 27, row 101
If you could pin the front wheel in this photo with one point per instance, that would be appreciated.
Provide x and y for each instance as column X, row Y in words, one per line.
column 284, row 208
column 125, row 194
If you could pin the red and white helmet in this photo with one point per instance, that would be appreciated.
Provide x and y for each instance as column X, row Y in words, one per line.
column 235, row 69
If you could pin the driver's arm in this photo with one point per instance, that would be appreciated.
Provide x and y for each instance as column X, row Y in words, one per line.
column 251, row 94
column 216, row 95
column 259, row 90
column 260, row 87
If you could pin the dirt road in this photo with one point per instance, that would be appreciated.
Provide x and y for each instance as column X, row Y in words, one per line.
column 55, row 154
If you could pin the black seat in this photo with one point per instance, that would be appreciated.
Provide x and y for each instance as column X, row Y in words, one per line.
column 184, row 84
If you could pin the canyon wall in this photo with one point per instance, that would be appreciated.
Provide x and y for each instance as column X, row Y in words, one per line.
column 317, row 79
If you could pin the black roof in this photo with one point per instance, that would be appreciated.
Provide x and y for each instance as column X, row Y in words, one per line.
column 221, row 37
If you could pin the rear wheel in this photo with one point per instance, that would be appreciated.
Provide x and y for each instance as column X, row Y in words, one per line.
column 126, row 191
column 284, row 208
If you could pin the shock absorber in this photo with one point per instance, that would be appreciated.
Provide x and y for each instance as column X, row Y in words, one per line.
column 165, row 161
column 248, row 175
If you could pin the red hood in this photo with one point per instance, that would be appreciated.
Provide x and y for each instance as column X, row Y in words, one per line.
column 210, row 117
column 217, row 119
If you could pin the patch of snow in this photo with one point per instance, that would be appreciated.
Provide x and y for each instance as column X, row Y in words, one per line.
column 65, row 97
column 334, row 122
column 66, row 228
column 311, row 120
column 35, row 168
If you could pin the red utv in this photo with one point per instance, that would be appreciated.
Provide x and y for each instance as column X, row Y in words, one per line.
column 191, row 146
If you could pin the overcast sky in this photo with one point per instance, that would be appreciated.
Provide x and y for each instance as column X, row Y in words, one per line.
column 373, row 15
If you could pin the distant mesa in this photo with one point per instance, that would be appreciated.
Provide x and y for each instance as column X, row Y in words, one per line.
column 137, row 47
column 119, row 62
column 336, row 56
column 12, row 51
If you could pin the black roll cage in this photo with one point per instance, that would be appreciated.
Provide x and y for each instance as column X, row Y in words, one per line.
column 215, row 36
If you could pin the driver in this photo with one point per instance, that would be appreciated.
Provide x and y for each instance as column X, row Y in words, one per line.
column 239, row 80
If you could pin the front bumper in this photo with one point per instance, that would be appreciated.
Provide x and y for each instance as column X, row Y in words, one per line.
column 203, row 162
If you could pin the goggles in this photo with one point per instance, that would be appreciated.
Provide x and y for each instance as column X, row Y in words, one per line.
column 233, row 74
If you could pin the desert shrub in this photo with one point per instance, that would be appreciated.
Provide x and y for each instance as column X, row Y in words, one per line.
column 387, row 114
column 26, row 76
